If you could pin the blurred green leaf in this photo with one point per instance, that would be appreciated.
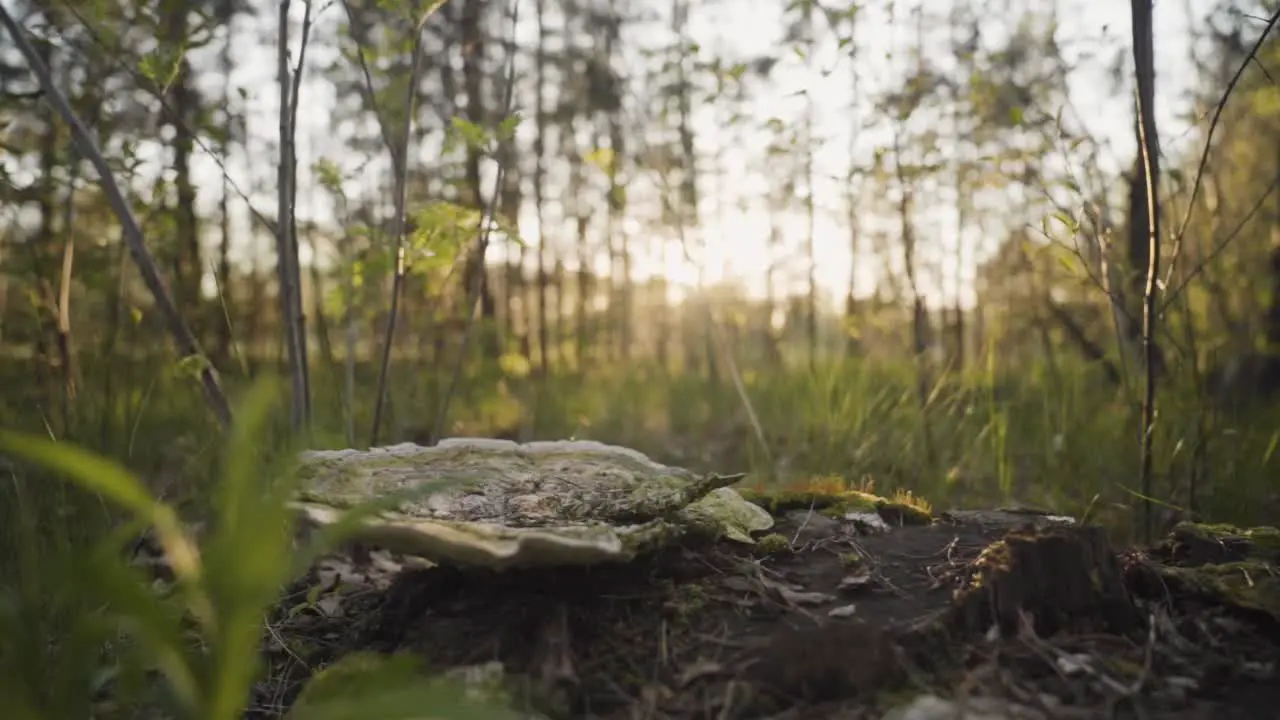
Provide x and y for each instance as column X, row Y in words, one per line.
column 397, row 687
column 474, row 136
column 515, row 365
column 602, row 158
column 155, row 623
column 329, row 176
column 248, row 555
column 507, row 128
column 104, row 477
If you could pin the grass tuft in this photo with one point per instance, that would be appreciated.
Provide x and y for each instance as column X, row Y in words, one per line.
column 115, row 648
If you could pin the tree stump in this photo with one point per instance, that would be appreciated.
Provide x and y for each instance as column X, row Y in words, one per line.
column 1223, row 565
column 1060, row 578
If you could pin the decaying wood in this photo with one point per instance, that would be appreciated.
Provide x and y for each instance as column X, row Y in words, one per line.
column 1057, row 579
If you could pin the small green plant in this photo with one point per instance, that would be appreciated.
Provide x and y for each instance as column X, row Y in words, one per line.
column 193, row 653
column 773, row 544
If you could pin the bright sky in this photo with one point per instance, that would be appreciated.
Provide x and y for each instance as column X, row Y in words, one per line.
column 1086, row 26
column 735, row 234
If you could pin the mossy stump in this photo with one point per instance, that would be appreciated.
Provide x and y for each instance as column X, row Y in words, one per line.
column 1192, row 544
column 1061, row 578
column 1237, row 568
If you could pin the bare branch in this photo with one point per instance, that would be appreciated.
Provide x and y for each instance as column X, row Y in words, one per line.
column 1208, row 143
column 113, row 53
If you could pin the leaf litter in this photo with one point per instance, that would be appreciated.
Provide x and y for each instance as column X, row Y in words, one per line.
column 843, row 625
column 1005, row 613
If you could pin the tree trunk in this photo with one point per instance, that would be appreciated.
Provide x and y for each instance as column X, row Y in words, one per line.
column 1057, row 579
column 187, row 267
column 1141, row 225
column 1273, row 308
column 539, row 197
column 287, row 270
column 476, row 274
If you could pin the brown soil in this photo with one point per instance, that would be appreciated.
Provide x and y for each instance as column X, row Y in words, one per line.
column 841, row 625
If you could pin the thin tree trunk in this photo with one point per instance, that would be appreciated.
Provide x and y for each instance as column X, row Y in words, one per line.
column 539, row 198
column 1149, row 152
column 187, row 267
column 854, row 216
column 1146, row 175
column 286, row 252
column 473, row 54
column 811, row 309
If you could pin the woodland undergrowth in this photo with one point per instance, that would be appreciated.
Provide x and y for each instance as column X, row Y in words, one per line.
column 1053, row 438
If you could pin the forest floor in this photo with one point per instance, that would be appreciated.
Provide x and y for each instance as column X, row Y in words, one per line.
column 1013, row 613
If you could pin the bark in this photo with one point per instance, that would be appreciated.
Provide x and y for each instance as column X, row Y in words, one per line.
column 287, row 271
column 539, row 198
column 1142, row 224
column 811, row 309
column 41, row 249
column 1273, row 281
column 225, row 282
column 1058, row 579
column 180, row 109
column 851, row 199
column 1149, row 152
column 620, row 267
column 473, row 54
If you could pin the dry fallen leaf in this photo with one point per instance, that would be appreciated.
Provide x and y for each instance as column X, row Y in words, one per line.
column 856, row 581
column 844, row 611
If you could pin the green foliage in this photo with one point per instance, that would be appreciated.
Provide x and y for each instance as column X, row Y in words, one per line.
column 443, row 228
column 161, row 67
column 507, row 128
column 81, row 634
column 602, row 158
column 473, row 136
column 202, row 639
column 363, row 685
column 479, row 138
column 329, row 176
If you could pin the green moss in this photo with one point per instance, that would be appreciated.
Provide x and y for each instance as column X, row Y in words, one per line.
column 895, row 697
column 1248, row 584
column 654, row 495
column 851, row 559
column 773, row 543
column 1265, row 539
column 993, row 558
column 1124, row 667
column 724, row 513
column 856, row 501
column 901, row 513
column 686, row 600
column 903, row 509
column 833, row 505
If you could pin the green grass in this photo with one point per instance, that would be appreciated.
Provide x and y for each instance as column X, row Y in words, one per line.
column 1062, row 440
column 83, row 634
column 77, row 621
